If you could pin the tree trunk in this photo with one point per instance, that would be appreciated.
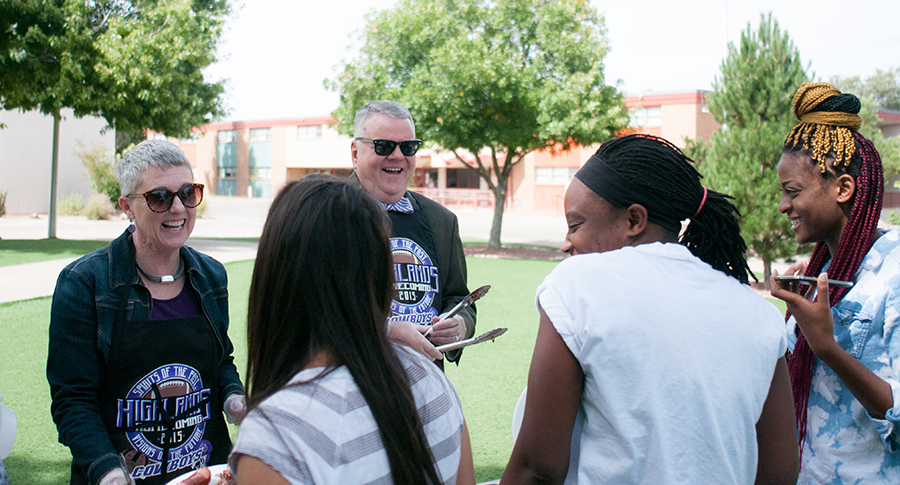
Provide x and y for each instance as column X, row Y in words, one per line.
column 767, row 272
column 54, row 168
column 499, row 207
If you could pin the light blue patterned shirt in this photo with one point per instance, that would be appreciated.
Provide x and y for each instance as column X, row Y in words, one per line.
column 843, row 443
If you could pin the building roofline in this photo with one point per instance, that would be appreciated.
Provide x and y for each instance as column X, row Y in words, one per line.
column 237, row 125
column 889, row 117
column 651, row 99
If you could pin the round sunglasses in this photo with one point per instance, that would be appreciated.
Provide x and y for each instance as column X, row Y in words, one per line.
column 385, row 147
column 160, row 200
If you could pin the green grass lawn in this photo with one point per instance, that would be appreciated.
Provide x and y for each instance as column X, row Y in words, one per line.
column 20, row 251
column 488, row 380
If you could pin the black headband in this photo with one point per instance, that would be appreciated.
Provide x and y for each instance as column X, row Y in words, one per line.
column 607, row 183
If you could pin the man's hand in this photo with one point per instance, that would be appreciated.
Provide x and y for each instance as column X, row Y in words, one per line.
column 116, row 476
column 411, row 336
column 447, row 331
column 235, row 408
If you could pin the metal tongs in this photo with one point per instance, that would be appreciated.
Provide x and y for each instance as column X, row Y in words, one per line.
column 465, row 303
column 472, row 341
column 128, row 478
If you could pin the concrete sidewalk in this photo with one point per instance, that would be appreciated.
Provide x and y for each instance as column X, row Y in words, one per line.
column 32, row 280
column 227, row 217
column 232, row 217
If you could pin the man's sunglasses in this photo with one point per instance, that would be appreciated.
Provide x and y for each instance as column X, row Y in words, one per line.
column 385, row 147
column 160, row 200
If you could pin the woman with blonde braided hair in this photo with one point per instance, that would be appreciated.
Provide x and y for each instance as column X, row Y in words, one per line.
column 845, row 359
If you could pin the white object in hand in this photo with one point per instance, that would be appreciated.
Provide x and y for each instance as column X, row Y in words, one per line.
column 116, row 476
column 235, row 408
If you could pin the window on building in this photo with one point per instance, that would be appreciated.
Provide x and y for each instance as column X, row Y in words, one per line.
column 554, row 175
column 159, row 136
column 309, row 132
column 425, row 177
column 644, row 117
column 227, row 136
column 260, row 158
column 227, row 173
column 462, row 178
column 226, row 165
column 259, row 134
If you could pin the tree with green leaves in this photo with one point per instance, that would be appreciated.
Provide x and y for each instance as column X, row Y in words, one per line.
column 883, row 87
column 136, row 63
column 488, row 80
column 752, row 100
column 879, row 91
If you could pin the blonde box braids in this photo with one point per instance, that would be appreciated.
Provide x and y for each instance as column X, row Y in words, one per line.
column 825, row 130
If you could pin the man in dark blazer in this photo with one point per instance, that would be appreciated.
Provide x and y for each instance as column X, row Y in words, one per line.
column 429, row 264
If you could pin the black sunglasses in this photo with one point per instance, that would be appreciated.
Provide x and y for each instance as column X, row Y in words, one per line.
column 385, row 147
column 160, row 200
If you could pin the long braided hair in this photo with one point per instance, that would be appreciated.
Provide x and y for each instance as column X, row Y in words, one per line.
column 827, row 135
column 653, row 165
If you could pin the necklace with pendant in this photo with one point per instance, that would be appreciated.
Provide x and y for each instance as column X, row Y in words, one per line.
column 166, row 278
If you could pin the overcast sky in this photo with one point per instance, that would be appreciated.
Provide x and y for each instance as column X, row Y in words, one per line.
column 276, row 53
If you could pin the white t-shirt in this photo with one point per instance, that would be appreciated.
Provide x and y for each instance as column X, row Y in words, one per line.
column 323, row 431
column 677, row 360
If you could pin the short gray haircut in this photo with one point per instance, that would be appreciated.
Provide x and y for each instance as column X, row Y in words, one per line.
column 150, row 153
column 390, row 108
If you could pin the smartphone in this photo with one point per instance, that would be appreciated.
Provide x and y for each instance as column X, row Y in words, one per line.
column 811, row 280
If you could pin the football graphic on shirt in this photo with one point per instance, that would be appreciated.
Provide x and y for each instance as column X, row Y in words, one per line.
column 416, row 282
column 172, row 422
column 405, row 257
column 134, row 459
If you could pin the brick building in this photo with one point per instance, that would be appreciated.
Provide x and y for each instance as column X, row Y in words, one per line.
column 256, row 158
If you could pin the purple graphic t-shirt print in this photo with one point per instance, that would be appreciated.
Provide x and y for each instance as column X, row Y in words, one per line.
column 182, row 392
column 416, row 283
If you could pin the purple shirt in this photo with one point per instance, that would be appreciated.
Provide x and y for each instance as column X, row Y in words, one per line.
column 185, row 305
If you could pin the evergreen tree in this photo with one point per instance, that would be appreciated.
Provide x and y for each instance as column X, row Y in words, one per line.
column 752, row 100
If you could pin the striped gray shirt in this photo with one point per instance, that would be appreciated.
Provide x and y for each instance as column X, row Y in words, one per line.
column 323, row 431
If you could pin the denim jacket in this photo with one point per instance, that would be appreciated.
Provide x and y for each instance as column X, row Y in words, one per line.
column 82, row 316
column 844, row 444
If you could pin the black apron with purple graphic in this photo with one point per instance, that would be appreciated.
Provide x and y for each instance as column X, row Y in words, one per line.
column 159, row 398
column 417, row 295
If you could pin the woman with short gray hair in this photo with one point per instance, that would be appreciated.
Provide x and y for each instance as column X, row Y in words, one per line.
column 140, row 365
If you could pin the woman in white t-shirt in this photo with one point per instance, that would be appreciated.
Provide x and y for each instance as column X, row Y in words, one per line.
column 654, row 362
column 331, row 399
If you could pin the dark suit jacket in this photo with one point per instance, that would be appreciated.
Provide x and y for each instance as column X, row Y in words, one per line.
column 451, row 260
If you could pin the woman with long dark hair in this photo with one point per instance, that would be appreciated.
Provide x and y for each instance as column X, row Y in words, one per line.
column 845, row 359
column 654, row 361
column 331, row 399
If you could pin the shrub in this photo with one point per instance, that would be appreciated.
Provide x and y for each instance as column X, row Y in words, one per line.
column 99, row 208
column 100, row 166
column 71, row 205
column 2, row 203
column 894, row 217
column 201, row 209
